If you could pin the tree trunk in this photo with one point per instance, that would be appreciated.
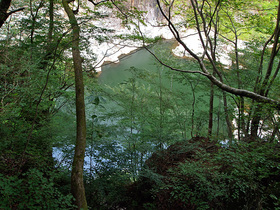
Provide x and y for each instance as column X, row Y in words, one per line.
column 4, row 6
column 211, row 110
column 256, row 121
column 51, row 26
column 228, row 121
column 4, row 14
column 77, row 184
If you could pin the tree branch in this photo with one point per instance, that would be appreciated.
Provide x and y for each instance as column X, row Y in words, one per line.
column 4, row 6
column 205, row 72
column 17, row 10
column 96, row 3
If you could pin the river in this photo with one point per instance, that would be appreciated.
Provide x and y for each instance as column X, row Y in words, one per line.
column 115, row 73
column 185, row 96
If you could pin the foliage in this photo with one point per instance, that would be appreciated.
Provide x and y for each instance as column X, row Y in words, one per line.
column 200, row 175
column 251, row 19
column 107, row 189
column 139, row 118
column 32, row 191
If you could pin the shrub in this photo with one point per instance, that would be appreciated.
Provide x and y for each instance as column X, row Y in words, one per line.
column 32, row 191
column 202, row 175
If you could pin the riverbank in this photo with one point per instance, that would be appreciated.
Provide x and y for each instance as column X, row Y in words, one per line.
column 115, row 49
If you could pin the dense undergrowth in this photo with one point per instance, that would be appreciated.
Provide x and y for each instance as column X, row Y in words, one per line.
column 198, row 174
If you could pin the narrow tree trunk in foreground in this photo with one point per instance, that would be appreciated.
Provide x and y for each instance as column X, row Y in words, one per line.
column 4, row 6
column 211, row 110
column 228, row 121
column 77, row 184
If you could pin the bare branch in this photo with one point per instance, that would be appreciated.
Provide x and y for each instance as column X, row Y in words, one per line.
column 204, row 71
column 14, row 11
column 262, row 60
column 121, row 11
column 161, row 62
column 273, row 53
column 170, row 67
column 176, row 33
column 106, row 55
column 272, row 79
column 96, row 3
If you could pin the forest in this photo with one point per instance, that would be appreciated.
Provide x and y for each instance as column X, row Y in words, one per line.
column 187, row 117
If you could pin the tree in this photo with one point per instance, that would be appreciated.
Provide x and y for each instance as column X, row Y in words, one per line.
column 77, row 183
column 33, row 78
column 220, row 21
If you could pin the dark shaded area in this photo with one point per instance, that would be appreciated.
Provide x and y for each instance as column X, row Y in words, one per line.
column 200, row 174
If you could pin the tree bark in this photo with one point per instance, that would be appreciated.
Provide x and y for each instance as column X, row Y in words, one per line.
column 51, row 25
column 211, row 111
column 4, row 6
column 4, row 14
column 77, row 184
column 228, row 121
column 267, row 81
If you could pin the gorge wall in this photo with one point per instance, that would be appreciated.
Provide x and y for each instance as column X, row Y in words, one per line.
column 153, row 13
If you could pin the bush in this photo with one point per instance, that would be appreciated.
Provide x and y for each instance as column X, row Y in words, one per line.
column 202, row 175
column 32, row 191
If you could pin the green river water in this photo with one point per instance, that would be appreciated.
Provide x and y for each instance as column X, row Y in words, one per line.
column 116, row 73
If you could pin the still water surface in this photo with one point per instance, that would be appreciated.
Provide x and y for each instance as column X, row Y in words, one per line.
column 115, row 73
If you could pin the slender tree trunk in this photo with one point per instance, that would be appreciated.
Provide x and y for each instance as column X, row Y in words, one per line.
column 161, row 111
column 243, row 124
column 51, row 27
column 256, row 121
column 45, row 64
column 218, row 120
column 77, row 184
column 34, row 15
column 228, row 121
column 267, row 81
column 211, row 110
column 132, row 146
column 193, row 108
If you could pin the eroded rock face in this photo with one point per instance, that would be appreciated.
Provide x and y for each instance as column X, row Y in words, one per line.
column 153, row 13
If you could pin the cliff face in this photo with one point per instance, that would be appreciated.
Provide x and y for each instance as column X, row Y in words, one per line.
column 153, row 12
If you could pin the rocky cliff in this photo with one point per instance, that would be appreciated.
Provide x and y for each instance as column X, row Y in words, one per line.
column 153, row 13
